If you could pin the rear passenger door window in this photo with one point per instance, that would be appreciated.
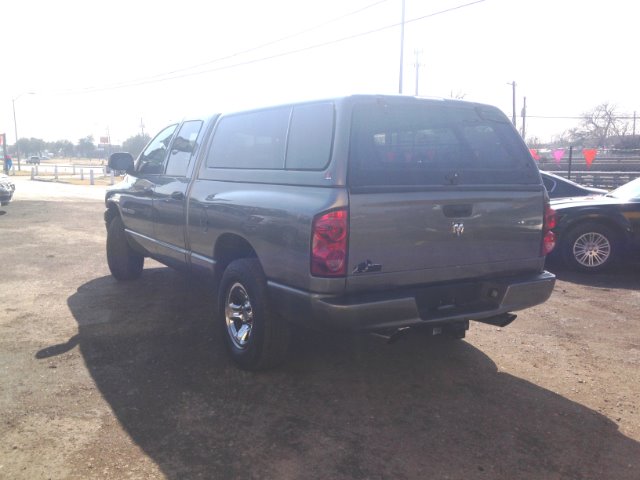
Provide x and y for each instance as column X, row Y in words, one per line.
column 253, row 140
column 182, row 149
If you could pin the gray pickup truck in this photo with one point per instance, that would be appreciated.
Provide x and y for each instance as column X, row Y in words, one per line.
column 368, row 213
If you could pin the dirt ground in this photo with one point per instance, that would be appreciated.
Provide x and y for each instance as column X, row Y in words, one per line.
column 107, row 380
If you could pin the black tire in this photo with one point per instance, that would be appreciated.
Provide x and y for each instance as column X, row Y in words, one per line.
column 257, row 339
column 124, row 262
column 590, row 247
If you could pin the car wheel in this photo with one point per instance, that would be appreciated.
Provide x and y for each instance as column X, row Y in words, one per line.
column 590, row 247
column 124, row 262
column 256, row 337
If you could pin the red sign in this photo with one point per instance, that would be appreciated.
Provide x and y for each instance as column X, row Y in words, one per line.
column 534, row 154
column 104, row 140
column 589, row 155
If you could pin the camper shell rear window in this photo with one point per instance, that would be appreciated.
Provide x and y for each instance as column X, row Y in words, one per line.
column 435, row 144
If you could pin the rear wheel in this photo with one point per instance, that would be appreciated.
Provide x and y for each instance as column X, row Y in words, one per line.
column 124, row 262
column 590, row 247
column 255, row 336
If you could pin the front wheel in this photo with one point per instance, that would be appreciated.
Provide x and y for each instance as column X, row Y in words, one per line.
column 256, row 337
column 590, row 247
column 124, row 262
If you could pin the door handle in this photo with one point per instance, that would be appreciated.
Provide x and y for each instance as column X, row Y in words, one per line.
column 177, row 196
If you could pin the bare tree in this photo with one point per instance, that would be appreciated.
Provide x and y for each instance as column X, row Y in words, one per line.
column 599, row 125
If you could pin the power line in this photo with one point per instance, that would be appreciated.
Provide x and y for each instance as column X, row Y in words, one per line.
column 135, row 83
column 232, row 55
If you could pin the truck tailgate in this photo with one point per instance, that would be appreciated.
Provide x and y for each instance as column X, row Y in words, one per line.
column 398, row 239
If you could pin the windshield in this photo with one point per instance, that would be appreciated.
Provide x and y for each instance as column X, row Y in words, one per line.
column 628, row 191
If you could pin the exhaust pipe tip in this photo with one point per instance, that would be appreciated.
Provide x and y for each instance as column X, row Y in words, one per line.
column 392, row 336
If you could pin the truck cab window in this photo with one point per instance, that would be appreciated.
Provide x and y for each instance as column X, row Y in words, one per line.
column 151, row 160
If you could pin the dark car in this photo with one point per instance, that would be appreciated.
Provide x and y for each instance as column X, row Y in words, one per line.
column 595, row 233
column 6, row 189
column 34, row 160
column 560, row 187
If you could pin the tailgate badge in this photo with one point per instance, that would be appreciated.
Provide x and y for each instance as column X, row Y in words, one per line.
column 457, row 229
column 367, row 267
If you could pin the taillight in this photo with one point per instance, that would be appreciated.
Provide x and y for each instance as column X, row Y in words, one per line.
column 329, row 244
column 548, row 237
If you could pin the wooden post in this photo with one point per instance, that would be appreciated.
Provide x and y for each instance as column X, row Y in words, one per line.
column 570, row 160
column 91, row 182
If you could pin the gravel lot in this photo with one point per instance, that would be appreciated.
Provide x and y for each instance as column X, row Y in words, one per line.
column 107, row 380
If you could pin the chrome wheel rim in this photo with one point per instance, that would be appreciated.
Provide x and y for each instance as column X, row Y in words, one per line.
column 239, row 316
column 591, row 249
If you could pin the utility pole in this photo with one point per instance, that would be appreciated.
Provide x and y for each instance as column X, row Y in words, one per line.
column 401, row 49
column 15, row 127
column 108, row 142
column 634, row 124
column 15, row 123
column 513, row 110
column 3, row 139
column 524, row 119
column 417, row 53
column 570, row 162
column 141, row 126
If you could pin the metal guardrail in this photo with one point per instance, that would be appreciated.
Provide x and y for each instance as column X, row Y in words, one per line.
column 600, row 179
column 57, row 172
column 604, row 163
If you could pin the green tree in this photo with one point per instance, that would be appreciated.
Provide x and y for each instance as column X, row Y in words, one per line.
column 86, row 147
column 65, row 147
column 23, row 146
column 31, row 146
column 134, row 145
column 61, row 147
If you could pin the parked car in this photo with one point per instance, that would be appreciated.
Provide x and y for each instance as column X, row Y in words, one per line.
column 34, row 160
column 367, row 213
column 595, row 233
column 560, row 187
column 7, row 188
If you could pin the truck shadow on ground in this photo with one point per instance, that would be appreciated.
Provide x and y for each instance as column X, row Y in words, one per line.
column 343, row 406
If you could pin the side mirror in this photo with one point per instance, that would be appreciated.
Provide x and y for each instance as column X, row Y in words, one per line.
column 121, row 161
